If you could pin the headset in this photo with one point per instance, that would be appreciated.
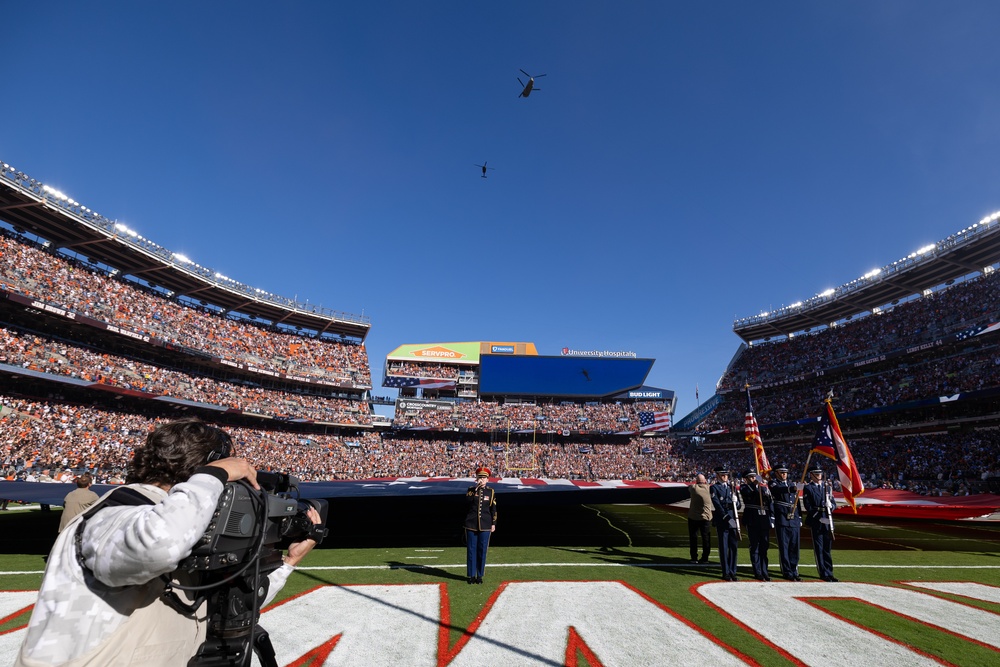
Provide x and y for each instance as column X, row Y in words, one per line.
column 223, row 448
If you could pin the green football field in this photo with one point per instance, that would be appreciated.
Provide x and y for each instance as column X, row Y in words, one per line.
column 935, row 571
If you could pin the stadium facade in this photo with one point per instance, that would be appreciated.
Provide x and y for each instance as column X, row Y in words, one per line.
column 106, row 333
column 909, row 352
column 440, row 378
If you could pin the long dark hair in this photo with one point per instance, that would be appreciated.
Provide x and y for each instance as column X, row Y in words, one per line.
column 173, row 450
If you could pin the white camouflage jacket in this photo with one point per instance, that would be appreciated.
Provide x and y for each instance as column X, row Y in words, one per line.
column 113, row 614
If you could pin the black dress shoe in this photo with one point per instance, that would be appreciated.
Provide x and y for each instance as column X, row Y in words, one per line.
column 479, row 580
column 471, row 580
column 833, row 579
column 796, row 578
column 767, row 578
column 703, row 561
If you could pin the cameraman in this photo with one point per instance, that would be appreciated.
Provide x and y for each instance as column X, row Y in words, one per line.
column 101, row 599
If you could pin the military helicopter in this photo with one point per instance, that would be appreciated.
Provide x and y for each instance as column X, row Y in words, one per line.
column 530, row 85
column 484, row 168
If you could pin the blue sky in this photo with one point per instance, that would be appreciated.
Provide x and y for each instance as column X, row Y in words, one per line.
column 683, row 163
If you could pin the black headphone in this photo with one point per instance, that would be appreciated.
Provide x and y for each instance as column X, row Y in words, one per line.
column 223, row 448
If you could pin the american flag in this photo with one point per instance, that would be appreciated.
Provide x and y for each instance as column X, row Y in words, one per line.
column 977, row 331
column 654, row 421
column 752, row 433
column 829, row 442
column 425, row 383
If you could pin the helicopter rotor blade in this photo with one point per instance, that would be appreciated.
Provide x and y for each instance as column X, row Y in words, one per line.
column 525, row 73
column 520, row 82
column 539, row 76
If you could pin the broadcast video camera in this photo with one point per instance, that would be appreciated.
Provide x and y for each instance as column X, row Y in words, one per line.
column 240, row 547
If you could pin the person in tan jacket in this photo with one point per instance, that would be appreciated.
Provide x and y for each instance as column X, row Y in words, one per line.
column 700, row 519
column 77, row 500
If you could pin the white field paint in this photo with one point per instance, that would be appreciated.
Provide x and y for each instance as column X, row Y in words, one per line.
column 545, row 623
column 11, row 605
column 781, row 612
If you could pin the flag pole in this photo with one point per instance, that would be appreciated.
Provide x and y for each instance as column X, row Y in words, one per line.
column 756, row 458
column 802, row 485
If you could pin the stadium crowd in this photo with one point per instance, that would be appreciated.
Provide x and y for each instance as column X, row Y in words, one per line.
column 879, row 385
column 39, row 440
column 880, row 360
column 889, row 358
column 548, row 417
column 423, row 370
column 45, row 355
column 921, row 320
column 33, row 271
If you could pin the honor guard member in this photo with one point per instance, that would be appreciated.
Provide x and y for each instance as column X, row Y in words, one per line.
column 725, row 507
column 817, row 498
column 480, row 522
column 757, row 521
column 787, row 521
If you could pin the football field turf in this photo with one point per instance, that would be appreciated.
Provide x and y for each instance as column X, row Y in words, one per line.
column 910, row 592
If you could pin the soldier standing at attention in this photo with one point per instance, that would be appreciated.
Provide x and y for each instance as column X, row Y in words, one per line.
column 817, row 498
column 757, row 518
column 787, row 522
column 480, row 522
column 725, row 505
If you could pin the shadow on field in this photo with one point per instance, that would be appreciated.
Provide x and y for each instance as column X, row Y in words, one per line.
column 437, row 522
column 518, row 654
column 657, row 562
column 427, row 570
column 618, row 531
column 28, row 531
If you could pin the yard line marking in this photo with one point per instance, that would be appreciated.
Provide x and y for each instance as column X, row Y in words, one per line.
column 709, row 566
column 423, row 557
column 661, row 565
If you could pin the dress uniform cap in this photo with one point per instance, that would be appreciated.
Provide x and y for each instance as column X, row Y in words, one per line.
column 781, row 467
column 815, row 468
column 482, row 472
column 750, row 473
column 722, row 470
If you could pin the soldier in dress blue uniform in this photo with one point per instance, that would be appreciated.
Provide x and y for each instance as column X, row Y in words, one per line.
column 817, row 498
column 480, row 522
column 787, row 521
column 757, row 522
column 725, row 505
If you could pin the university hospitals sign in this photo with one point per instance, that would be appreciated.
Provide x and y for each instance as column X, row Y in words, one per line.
column 613, row 354
column 608, row 622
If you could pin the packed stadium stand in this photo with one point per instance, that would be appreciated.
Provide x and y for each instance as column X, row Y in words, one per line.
column 575, row 415
column 104, row 334
column 911, row 354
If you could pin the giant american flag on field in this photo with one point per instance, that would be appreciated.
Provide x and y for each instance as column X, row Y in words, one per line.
column 654, row 421
column 753, row 437
column 830, row 443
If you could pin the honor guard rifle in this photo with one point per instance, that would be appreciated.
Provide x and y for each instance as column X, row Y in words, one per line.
column 827, row 510
column 736, row 515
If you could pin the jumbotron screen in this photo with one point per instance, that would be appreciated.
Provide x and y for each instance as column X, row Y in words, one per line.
column 576, row 377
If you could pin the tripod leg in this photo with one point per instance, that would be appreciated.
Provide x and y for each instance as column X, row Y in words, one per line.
column 263, row 648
